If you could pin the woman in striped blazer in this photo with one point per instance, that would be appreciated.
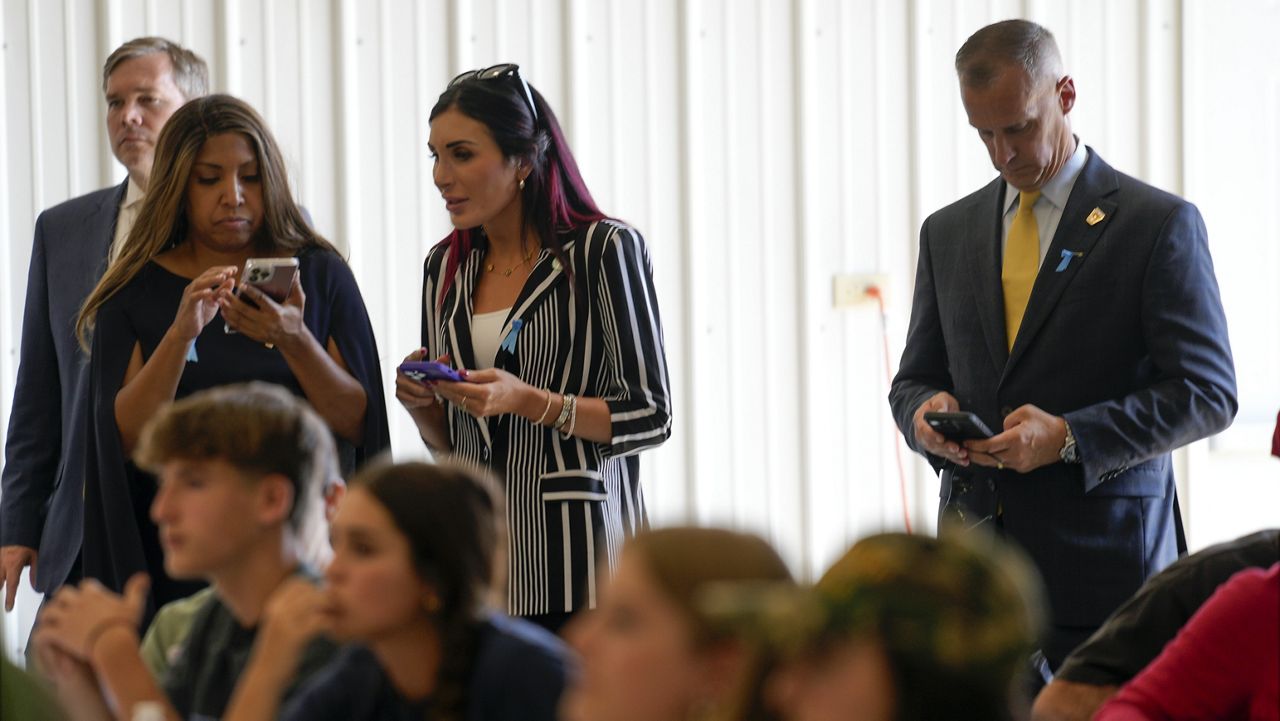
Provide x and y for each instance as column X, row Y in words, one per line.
column 548, row 310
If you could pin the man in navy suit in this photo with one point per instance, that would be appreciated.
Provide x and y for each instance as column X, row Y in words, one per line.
column 1091, row 367
column 41, row 496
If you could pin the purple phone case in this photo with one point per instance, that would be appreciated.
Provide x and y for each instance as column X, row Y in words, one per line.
column 429, row 371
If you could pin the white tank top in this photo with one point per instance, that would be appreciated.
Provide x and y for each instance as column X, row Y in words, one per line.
column 485, row 331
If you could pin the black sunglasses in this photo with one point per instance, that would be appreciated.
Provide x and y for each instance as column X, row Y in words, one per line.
column 499, row 71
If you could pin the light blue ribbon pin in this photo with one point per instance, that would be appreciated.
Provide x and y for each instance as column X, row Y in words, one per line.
column 1067, row 255
column 509, row 343
column 192, row 357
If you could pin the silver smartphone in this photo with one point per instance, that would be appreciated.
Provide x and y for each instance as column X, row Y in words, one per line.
column 272, row 276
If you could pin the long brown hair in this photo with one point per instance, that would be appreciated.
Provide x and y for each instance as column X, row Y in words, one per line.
column 453, row 518
column 162, row 221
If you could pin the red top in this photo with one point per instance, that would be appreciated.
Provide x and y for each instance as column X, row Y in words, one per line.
column 1224, row 664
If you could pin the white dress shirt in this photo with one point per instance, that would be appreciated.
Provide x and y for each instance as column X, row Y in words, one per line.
column 129, row 208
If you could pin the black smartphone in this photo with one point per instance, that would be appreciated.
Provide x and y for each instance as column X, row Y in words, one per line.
column 957, row 426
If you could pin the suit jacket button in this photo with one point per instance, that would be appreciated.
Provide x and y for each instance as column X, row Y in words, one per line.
column 1005, row 410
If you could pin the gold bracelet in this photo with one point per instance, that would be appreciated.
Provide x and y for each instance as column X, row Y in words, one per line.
column 542, row 417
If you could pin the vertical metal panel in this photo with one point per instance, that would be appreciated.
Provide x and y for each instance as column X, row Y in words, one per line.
column 347, row 208
column 86, row 110
column 741, row 262
column 1161, row 88
column 11, row 298
column 35, row 108
column 824, row 390
column 709, row 311
column 270, row 40
column 10, row 310
column 200, row 32
column 130, row 20
column 227, row 60
column 107, row 39
column 319, row 117
column 775, row 335
column 663, row 224
column 71, row 97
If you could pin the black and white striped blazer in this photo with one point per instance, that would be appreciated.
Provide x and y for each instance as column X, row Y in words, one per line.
column 570, row 502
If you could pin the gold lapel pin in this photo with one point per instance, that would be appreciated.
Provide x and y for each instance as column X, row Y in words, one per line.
column 1095, row 217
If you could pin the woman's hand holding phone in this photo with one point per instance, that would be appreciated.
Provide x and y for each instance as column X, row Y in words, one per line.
column 424, row 403
column 258, row 316
column 492, row 392
column 415, row 393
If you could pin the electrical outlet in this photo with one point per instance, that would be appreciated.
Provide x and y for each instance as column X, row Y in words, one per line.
column 853, row 289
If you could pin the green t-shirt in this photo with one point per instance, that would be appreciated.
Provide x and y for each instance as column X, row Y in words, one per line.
column 204, row 672
column 169, row 629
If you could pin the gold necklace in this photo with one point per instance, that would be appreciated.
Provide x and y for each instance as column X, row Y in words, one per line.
column 507, row 273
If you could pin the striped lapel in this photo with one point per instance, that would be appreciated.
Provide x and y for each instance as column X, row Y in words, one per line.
column 457, row 309
column 548, row 273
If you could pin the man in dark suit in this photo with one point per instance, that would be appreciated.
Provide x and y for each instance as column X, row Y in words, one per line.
column 1075, row 311
column 41, row 505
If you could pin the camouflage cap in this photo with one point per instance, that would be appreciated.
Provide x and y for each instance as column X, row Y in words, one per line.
column 965, row 606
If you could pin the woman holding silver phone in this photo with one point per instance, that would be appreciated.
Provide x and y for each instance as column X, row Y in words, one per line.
column 220, row 206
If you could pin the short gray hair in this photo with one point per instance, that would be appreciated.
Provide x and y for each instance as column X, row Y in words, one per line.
column 190, row 73
column 1018, row 43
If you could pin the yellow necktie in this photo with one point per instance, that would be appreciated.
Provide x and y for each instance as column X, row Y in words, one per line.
column 1021, row 263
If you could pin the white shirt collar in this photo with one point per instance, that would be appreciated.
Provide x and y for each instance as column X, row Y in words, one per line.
column 133, row 195
column 1058, row 188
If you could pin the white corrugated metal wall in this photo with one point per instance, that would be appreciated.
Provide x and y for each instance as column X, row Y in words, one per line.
column 760, row 145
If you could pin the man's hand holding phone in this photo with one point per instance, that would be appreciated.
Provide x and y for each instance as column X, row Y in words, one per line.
column 1031, row 438
column 931, row 440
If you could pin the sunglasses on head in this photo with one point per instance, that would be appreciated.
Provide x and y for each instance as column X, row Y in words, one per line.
column 499, row 71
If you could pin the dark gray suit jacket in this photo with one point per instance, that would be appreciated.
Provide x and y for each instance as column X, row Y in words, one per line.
column 1124, row 335
column 41, row 505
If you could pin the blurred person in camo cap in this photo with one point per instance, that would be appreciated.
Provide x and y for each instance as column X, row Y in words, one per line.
column 900, row 628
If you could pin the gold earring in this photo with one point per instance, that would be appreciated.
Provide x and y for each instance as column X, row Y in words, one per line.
column 432, row 604
column 522, row 183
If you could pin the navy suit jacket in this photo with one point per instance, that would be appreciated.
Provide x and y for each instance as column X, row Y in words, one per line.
column 1124, row 335
column 41, row 504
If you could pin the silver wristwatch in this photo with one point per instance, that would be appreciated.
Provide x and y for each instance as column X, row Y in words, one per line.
column 1069, row 452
